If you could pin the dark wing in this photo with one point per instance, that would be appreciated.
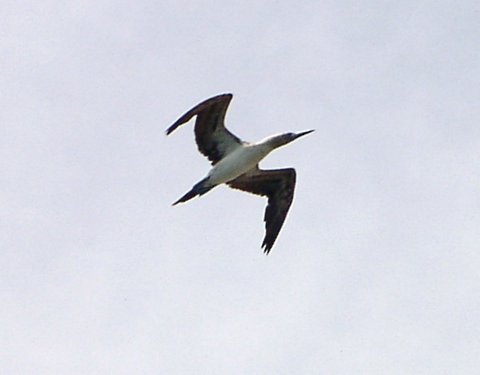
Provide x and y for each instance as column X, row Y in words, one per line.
column 213, row 139
column 278, row 185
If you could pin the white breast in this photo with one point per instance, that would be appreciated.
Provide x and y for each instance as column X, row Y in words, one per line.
column 237, row 163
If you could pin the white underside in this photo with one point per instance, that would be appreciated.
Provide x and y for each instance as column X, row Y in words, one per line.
column 237, row 163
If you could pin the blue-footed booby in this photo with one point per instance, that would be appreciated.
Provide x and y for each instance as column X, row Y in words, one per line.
column 235, row 163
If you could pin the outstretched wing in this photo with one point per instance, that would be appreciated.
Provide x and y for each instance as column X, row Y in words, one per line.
column 213, row 139
column 279, row 186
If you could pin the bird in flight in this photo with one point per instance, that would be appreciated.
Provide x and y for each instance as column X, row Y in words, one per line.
column 235, row 163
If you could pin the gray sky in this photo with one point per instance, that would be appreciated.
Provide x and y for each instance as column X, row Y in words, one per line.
column 376, row 270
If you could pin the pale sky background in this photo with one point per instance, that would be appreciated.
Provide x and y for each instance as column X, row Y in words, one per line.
column 377, row 269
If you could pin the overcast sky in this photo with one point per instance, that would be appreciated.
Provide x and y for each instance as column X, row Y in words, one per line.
column 376, row 270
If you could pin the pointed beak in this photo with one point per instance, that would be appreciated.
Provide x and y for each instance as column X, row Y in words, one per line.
column 298, row 135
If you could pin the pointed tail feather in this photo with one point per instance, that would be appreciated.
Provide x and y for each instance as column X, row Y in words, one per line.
column 198, row 189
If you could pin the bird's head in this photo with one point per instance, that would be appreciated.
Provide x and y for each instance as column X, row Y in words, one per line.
column 283, row 139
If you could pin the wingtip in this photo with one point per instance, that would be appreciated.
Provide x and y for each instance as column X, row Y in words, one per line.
column 169, row 130
column 180, row 200
column 224, row 96
column 266, row 248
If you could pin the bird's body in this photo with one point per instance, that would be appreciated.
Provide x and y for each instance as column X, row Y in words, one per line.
column 235, row 163
column 238, row 162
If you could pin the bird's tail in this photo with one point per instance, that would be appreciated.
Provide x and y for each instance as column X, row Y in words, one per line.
column 199, row 188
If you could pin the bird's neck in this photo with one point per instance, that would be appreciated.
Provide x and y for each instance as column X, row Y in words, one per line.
column 271, row 143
